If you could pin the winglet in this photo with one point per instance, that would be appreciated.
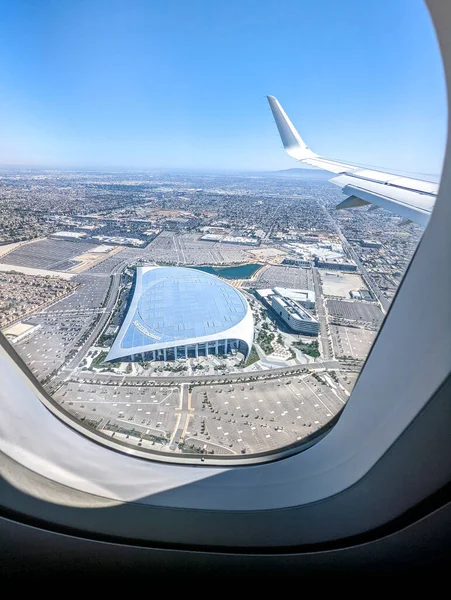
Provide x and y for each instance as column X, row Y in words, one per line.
column 292, row 141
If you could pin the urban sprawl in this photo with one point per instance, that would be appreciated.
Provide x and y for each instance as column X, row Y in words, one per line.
column 70, row 245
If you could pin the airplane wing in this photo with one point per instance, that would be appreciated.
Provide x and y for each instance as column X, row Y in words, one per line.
column 412, row 199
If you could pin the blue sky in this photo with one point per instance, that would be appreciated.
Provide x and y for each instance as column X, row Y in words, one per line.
column 182, row 83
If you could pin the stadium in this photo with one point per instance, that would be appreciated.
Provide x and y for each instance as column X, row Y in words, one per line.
column 177, row 312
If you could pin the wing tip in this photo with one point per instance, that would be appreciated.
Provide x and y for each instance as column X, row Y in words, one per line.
column 291, row 140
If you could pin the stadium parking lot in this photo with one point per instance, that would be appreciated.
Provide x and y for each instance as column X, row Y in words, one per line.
column 284, row 276
column 183, row 249
column 261, row 416
column 351, row 341
column 190, row 250
column 365, row 313
column 151, row 411
column 106, row 266
column 221, row 419
column 46, row 349
column 46, row 254
column 61, row 325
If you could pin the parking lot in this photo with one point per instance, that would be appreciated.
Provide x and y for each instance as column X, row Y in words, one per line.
column 350, row 341
column 363, row 313
column 188, row 249
column 120, row 408
column 106, row 266
column 283, row 276
column 61, row 325
column 236, row 418
column 261, row 416
column 47, row 254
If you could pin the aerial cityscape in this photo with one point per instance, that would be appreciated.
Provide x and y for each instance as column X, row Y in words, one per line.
column 193, row 313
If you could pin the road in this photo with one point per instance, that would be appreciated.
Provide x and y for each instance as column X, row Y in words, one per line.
column 105, row 378
column 107, row 310
column 184, row 414
column 326, row 344
column 385, row 304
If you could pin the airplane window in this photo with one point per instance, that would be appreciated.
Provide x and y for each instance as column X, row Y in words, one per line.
column 169, row 274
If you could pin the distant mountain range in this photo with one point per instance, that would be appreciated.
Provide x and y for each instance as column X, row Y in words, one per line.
column 304, row 173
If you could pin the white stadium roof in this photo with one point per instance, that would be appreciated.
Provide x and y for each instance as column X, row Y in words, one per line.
column 176, row 306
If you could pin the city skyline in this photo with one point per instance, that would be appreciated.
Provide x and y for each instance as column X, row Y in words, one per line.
column 145, row 86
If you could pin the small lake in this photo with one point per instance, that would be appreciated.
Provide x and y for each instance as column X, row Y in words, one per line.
column 239, row 272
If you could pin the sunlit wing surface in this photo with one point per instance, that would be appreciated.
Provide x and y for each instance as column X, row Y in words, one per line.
column 412, row 199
